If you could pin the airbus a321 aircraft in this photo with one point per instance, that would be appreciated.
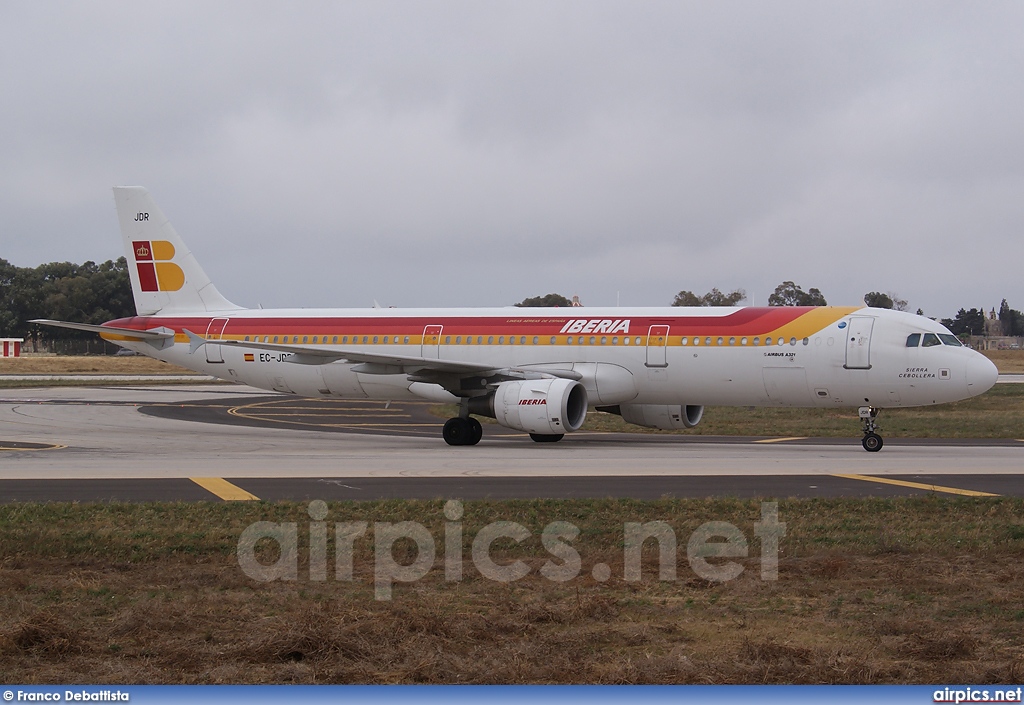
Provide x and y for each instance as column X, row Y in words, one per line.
column 538, row 370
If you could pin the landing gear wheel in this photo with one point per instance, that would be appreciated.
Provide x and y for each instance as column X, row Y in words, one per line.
column 457, row 432
column 462, row 432
column 476, row 431
column 547, row 437
column 872, row 443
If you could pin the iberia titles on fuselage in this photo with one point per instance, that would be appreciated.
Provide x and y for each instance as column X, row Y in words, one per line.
column 538, row 370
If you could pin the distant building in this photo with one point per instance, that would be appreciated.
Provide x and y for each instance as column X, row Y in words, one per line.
column 11, row 347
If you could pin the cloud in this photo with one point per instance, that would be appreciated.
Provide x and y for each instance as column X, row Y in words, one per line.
column 466, row 153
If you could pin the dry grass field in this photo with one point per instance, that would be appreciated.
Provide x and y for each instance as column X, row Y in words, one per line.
column 89, row 364
column 1008, row 361
column 869, row 591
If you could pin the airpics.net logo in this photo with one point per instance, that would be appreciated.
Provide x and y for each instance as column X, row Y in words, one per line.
column 708, row 549
column 153, row 263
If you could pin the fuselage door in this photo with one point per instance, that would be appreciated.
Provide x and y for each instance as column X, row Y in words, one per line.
column 858, row 343
column 214, row 331
column 431, row 342
column 657, row 342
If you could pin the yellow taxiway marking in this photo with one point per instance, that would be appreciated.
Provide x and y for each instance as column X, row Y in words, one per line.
column 918, row 485
column 780, row 440
column 223, row 489
column 46, row 447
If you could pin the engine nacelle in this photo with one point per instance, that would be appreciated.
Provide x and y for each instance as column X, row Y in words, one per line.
column 546, row 406
column 667, row 417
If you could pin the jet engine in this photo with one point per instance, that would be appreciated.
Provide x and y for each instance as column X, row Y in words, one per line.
column 667, row 417
column 547, row 407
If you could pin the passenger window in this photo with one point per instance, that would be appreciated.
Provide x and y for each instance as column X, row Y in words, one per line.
column 501, row 340
column 247, row 339
column 365, row 339
column 522, row 340
column 344, row 339
column 536, row 340
column 743, row 341
column 374, row 340
column 807, row 341
column 604, row 340
column 707, row 341
column 732, row 341
column 682, row 341
column 913, row 340
column 569, row 340
column 490, row 340
column 334, row 340
column 930, row 339
column 447, row 340
column 625, row 340
column 553, row 340
column 591, row 340
column 718, row 342
column 615, row 340
column 275, row 338
column 406, row 340
column 768, row 340
column 792, row 341
column 757, row 341
column 950, row 340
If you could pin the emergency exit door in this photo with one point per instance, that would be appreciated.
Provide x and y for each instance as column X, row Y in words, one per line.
column 431, row 342
column 657, row 346
column 858, row 343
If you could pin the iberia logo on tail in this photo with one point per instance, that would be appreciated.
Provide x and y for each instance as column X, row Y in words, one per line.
column 156, row 271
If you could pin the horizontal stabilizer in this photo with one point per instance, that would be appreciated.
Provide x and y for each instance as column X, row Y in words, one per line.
column 154, row 334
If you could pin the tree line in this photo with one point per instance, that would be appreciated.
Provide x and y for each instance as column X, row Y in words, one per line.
column 966, row 322
column 83, row 293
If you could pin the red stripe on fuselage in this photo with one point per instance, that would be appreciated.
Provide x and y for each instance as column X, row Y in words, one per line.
column 745, row 321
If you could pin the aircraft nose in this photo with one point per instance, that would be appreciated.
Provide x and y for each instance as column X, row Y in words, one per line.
column 981, row 374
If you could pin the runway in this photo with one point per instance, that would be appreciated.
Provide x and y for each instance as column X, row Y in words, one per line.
column 191, row 443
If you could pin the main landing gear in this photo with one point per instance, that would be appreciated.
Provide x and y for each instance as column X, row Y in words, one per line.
column 462, row 431
column 872, row 442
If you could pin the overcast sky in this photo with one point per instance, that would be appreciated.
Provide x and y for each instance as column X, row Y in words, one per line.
column 476, row 153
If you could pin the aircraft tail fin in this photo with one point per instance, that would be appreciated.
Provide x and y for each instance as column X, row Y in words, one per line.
column 166, row 278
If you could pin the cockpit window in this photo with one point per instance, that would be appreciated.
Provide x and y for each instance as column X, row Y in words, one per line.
column 913, row 340
column 950, row 340
column 930, row 339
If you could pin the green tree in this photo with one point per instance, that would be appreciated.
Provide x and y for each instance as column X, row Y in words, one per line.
column 86, row 293
column 712, row 298
column 1010, row 320
column 965, row 322
column 876, row 299
column 789, row 294
column 548, row 300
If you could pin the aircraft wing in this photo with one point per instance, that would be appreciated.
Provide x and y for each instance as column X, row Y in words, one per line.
column 423, row 368
column 131, row 333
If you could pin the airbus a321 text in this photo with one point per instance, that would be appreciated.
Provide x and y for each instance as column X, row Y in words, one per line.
column 538, row 370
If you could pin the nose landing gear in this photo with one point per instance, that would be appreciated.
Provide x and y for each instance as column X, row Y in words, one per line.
column 872, row 442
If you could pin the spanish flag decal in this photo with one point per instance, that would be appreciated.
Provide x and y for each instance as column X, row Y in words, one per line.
column 249, row 357
column 156, row 271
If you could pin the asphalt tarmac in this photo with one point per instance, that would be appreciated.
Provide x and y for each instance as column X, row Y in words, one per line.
column 234, row 443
